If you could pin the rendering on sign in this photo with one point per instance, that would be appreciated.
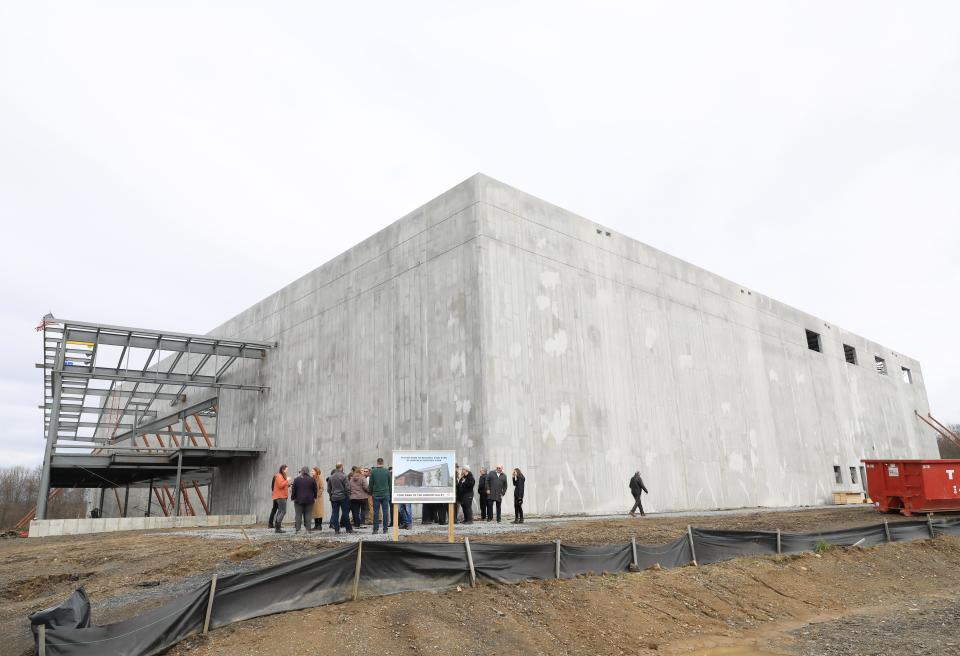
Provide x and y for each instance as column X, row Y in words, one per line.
column 424, row 477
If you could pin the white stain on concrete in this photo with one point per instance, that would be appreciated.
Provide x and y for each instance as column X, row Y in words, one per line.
column 800, row 377
column 515, row 350
column 543, row 302
column 556, row 345
column 556, row 426
column 735, row 462
column 774, row 377
column 650, row 338
column 541, row 242
column 299, row 367
column 573, row 480
column 549, row 279
column 458, row 361
column 725, row 407
column 686, row 361
column 452, row 320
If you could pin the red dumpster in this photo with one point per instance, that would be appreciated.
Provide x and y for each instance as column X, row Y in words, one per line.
column 913, row 486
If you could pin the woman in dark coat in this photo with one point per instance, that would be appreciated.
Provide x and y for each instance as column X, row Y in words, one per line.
column 518, row 483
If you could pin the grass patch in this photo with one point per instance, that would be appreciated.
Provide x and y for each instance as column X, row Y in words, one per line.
column 822, row 547
column 244, row 552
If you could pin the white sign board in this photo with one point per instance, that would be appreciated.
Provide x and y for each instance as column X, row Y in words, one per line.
column 424, row 477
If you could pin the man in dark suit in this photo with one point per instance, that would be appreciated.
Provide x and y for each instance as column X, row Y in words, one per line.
column 496, row 488
column 482, row 491
column 465, row 494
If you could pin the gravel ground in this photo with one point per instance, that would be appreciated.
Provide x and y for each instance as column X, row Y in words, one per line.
column 480, row 528
column 931, row 628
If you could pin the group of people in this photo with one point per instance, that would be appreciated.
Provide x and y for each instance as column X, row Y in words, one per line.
column 366, row 493
column 356, row 497
column 491, row 488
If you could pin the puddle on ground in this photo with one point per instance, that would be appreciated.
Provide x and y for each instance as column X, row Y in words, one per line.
column 732, row 651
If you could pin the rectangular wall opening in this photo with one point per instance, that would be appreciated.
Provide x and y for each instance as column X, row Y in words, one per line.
column 853, row 475
column 813, row 341
column 837, row 475
column 880, row 364
column 850, row 354
column 907, row 376
column 863, row 479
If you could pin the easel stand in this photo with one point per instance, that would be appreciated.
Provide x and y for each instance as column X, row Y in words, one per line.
column 396, row 525
column 451, row 515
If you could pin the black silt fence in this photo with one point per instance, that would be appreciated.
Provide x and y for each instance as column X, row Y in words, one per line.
column 384, row 568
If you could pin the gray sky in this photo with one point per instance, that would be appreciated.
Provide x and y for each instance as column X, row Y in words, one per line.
column 169, row 164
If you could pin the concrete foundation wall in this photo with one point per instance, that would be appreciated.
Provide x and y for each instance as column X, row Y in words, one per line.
column 504, row 327
column 43, row 528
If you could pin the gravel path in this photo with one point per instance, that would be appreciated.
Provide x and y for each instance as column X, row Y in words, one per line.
column 478, row 528
column 932, row 628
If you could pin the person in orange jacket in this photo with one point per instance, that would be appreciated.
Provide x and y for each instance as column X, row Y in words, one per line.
column 280, row 487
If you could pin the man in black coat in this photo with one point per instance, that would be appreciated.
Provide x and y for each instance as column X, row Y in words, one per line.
column 496, row 488
column 482, row 491
column 636, row 489
column 303, row 492
column 465, row 494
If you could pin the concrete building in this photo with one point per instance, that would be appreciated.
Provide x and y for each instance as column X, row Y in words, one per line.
column 517, row 333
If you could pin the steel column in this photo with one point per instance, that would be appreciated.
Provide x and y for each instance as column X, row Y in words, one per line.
column 179, row 487
column 52, row 430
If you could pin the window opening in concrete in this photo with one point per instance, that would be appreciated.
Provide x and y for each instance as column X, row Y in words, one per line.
column 837, row 475
column 907, row 377
column 850, row 354
column 813, row 341
column 853, row 475
column 863, row 479
column 880, row 364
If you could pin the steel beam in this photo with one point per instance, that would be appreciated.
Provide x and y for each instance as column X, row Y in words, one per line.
column 136, row 376
column 163, row 396
column 157, row 424
column 164, row 341
column 75, row 408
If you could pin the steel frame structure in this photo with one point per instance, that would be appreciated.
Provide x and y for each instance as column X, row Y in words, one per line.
column 112, row 402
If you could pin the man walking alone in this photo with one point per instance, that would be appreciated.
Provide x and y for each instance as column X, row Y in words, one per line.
column 636, row 489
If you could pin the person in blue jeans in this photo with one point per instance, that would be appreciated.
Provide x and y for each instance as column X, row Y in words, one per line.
column 405, row 515
column 338, row 487
column 380, row 491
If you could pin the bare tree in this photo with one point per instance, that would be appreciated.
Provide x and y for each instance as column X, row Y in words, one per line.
column 948, row 449
column 18, row 496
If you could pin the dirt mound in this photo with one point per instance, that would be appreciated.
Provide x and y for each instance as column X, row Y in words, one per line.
column 29, row 588
column 750, row 601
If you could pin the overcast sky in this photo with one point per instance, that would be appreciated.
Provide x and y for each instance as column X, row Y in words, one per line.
column 167, row 165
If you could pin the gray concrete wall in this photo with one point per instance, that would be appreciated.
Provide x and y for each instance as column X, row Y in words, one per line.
column 504, row 327
column 379, row 349
column 604, row 356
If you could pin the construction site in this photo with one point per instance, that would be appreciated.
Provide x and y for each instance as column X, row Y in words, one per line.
column 496, row 325
column 510, row 330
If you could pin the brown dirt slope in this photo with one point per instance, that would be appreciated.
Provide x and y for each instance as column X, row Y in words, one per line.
column 751, row 601
column 127, row 573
